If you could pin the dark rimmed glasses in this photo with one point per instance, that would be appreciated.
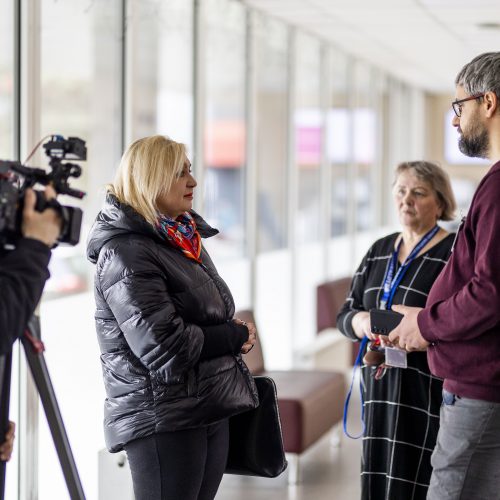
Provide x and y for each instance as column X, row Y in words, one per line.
column 457, row 105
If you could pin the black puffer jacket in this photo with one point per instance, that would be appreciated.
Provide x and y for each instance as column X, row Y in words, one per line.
column 151, row 304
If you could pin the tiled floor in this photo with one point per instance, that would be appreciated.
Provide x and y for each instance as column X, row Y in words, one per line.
column 328, row 471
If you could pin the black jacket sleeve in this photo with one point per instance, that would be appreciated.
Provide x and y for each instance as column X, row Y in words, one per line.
column 23, row 273
column 227, row 338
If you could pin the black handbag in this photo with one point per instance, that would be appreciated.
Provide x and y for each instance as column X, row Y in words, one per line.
column 255, row 439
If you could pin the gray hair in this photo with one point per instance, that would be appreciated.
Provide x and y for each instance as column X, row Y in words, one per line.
column 437, row 179
column 481, row 75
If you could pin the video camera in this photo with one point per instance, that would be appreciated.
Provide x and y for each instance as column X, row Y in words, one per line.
column 15, row 178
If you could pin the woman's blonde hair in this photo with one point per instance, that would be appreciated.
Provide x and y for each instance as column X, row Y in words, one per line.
column 437, row 179
column 146, row 171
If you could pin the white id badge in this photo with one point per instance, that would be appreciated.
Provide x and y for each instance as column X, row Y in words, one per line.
column 395, row 357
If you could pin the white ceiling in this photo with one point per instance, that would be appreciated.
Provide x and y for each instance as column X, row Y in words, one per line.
column 423, row 42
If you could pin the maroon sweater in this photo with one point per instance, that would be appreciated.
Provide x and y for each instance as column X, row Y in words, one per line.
column 462, row 315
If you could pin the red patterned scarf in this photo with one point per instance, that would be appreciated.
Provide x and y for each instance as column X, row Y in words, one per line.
column 181, row 233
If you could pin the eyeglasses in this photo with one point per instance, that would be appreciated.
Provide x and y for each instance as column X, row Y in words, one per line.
column 457, row 105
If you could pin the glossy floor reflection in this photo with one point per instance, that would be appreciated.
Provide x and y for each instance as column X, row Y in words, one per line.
column 328, row 473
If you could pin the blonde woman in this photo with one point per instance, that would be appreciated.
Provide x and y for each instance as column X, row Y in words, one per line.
column 164, row 318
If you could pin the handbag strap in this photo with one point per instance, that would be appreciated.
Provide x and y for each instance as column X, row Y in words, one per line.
column 357, row 365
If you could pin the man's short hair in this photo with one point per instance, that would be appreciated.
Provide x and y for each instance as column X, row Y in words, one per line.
column 481, row 75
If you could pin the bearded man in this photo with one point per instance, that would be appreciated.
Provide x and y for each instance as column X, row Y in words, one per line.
column 460, row 325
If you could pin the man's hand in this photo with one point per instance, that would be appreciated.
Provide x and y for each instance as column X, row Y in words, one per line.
column 8, row 445
column 43, row 226
column 407, row 333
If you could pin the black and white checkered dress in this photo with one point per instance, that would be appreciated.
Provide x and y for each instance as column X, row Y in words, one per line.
column 402, row 408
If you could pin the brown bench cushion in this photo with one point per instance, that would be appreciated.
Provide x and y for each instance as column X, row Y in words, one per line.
column 310, row 403
column 330, row 297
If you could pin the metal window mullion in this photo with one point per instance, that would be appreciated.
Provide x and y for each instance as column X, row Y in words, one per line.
column 292, row 182
column 351, row 167
column 417, row 114
column 29, row 130
column 16, row 148
column 125, row 76
column 199, row 100
column 377, row 174
column 391, row 131
column 16, row 125
column 251, row 174
column 325, row 169
column 30, row 77
column 384, row 145
column 395, row 130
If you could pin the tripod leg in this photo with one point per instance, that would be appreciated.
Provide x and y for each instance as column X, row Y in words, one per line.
column 40, row 373
column 5, row 373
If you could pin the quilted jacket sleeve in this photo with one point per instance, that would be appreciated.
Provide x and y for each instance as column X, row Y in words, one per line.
column 136, row 292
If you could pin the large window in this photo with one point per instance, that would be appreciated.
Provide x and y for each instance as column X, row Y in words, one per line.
column 225, row 127
column 308, row 137
column 308, row 121
column 80, row 96
column 364, row 145
column 6, row 78
column 271, row 130
column 339, row 143
column 160, row 85
column 272, row 267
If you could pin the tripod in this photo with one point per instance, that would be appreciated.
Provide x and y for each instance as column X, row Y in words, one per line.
column 33, row 348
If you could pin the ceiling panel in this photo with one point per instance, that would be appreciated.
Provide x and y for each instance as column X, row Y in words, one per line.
column 423, row 42
column 456, row 4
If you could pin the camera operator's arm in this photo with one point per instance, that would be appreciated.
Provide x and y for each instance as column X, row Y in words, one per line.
column 23, row 271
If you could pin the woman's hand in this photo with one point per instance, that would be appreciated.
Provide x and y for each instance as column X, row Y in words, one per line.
column 252, row 331
column 362, row 326
column 7, row 446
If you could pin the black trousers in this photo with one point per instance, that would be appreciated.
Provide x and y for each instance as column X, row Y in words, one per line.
column 180, row 465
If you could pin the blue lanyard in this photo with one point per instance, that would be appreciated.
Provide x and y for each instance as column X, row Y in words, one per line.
column 357, row 365
column 392, row 282
column 390, row 286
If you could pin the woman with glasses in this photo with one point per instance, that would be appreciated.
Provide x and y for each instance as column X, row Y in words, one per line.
column 401, row 405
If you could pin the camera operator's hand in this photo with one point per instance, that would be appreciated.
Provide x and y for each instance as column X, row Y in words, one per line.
column 43, row 226
column 8, row 445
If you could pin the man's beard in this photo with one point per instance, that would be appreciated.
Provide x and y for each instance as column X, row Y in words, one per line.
column 476, row 143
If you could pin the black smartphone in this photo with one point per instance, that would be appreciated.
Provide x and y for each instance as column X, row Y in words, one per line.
column 383, row 321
